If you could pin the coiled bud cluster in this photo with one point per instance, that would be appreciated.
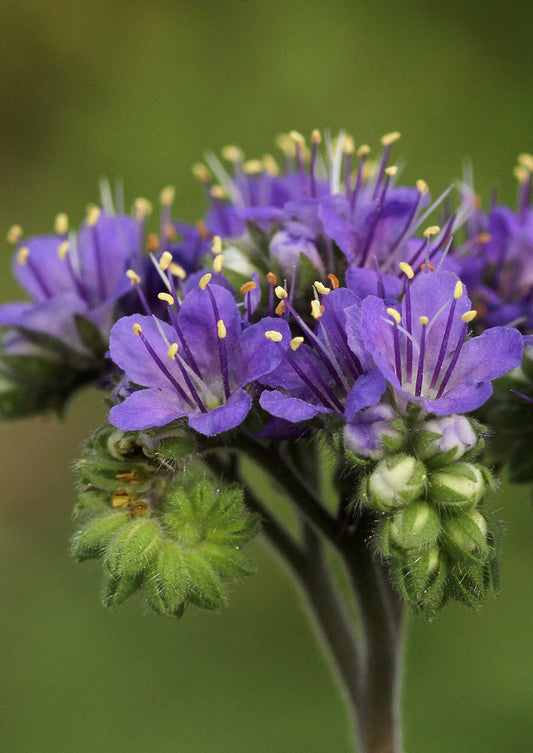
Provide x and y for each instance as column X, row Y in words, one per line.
column 433, row 527
column 157, row 522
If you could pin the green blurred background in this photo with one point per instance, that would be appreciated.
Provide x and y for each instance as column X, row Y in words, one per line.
column 137, row 91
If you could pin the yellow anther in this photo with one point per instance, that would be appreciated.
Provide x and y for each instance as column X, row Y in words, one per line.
column 422, row 186
column 349, row 146
column 316, row 137
column 14, row 234
column 469, row 316
column 177, row 271
column 204, row 281
column 165, row 261
column 166, row 197
column 221, row 329
column 133, row 277
column 394, row 314
column 335, row 284
column 270, row 165
column 22, row 255
column 273, row 335
column 201, row 172
column 390, row 138
column 458, row 292
column 281, row 292
column 253, row 167
column 483, row 238
column 368, row 170
column 424, row 321
column 232, row 153
column 152, row 242
column 363, row 150
column 526, row 160
column 280, row 308
column 297, row 137
column 120, row 499
column 247, row 287
column 167, row 298
column 296, row 342
column 407, row 269
column 61, row 224
column 429, row 266
column 322, row 289
column 216, row 246
column 171, row 352
column 316, row 309
column 137, row 328
column 218, row 261
column 142, row 208
column 391, row 171
column 271, row 278
column 93, row 213
column 285, row 144
column 431, row 230
column 63, row 249
column 521, row 174
column 218, row 192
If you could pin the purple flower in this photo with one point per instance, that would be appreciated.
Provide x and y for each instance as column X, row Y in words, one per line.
column 80, row 273
column 325, row 376
column 498, row 267
column 197, row 366
column 421, row 346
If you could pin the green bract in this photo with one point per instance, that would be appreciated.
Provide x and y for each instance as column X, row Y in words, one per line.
column 157, row 525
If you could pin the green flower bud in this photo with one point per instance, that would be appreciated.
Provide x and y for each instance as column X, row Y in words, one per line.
column 471, row 584
column 459, row 486
column 421, row 580
column 395, row 481
column 467, row 536
column 415, row 527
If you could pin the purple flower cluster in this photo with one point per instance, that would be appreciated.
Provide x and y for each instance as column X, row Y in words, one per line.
column 497, row 261
column 210, row 361
column 309, row 292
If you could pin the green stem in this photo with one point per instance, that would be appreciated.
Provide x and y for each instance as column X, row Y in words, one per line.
column 369, row 669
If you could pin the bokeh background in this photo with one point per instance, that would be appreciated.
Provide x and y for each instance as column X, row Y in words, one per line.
column 138, row 91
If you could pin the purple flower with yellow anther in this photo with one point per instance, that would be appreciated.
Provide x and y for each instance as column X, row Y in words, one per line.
column 197, row 366
column 421, row 345
column 324, row 375
column 73, row 273
column 498, row 265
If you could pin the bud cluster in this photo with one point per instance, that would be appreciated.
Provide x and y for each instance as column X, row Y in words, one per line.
column 433, row 529
column 158, row 523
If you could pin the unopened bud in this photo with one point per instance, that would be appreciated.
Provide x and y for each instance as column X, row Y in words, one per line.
column 396, row 481
column 377, row 431
column 415, row 527
column 459, row 486
column 444, row 439
column 467, row 535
